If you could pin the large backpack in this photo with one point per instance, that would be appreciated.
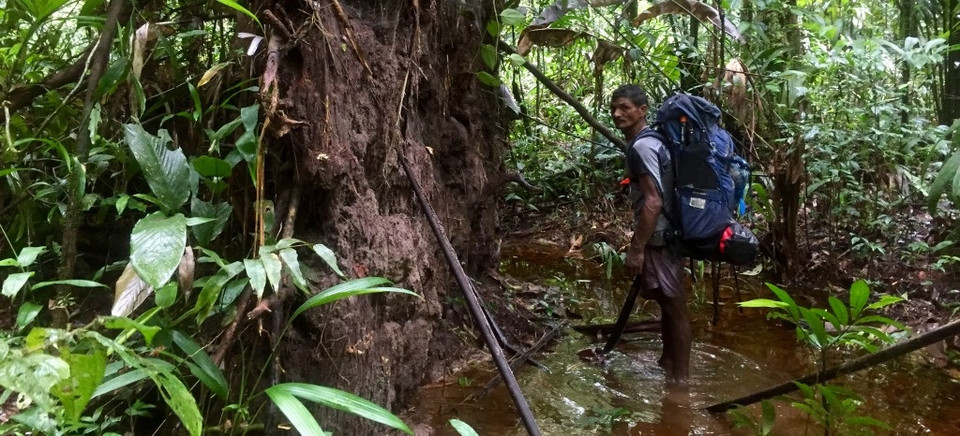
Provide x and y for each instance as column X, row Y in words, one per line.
column 710, row 182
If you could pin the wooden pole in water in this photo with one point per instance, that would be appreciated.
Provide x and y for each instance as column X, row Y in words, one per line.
column 603, row 130
column 473, row 305
column 931, row 337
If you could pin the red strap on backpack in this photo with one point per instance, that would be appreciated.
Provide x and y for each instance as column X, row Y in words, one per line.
column 727, row 234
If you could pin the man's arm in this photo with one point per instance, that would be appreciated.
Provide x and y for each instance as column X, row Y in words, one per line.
column 645, row 224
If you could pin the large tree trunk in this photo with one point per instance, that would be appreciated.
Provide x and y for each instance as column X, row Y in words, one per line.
column 380, row 79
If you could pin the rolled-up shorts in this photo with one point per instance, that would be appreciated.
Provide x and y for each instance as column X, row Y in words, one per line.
column 662, row 273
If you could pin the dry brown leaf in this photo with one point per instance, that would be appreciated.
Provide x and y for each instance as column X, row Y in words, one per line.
column 701, row 11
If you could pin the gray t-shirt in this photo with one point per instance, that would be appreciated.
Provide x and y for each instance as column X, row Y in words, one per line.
column 648, row 155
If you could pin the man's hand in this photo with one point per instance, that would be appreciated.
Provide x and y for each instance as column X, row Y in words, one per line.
column 634, row 262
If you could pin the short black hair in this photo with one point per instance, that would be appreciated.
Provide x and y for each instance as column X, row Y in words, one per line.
column 632, row 92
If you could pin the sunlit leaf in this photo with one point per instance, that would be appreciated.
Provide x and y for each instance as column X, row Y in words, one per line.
column 235, row 6
column 86, row 373
column 211, row 73
column 763, row 302
column 295, row 411
column 71, row 282
column 124, row 323
column 257, row 275
column 28, row 255
column 328, row 257
column 884, row 301
column 343, row 401
column 290, row 260
column 156, row 246
column 120, row 381
column 272, row 266
column 179, row 399
column 14, row 282
column 463, row 428
column 366, row 285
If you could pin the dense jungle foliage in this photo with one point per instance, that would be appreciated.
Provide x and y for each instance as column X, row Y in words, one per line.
column 132, row 160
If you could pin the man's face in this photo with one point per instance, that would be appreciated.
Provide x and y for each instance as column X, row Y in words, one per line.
column 626, row 115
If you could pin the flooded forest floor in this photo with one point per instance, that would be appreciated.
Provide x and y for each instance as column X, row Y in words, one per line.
column 558, row 267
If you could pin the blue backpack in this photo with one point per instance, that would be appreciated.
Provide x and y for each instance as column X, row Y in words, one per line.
column 710, row 182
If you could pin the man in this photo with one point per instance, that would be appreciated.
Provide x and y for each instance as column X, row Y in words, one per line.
column 649, row 259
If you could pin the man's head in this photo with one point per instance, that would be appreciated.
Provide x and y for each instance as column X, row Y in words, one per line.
column 628, row 107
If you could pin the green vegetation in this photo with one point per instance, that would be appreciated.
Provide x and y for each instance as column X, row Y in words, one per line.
column 841, row 327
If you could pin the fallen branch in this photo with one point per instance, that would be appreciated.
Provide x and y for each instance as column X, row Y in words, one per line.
column 515, row 364
column 647, row 325
column 915, row 343
column 603, row 130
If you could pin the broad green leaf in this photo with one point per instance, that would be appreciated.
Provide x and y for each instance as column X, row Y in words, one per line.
column 130, row 292
column 211, row 289
column 768, row 415
column 124, row 323
column 295, row 411
column 247, row 143
column 463, row 428
column 196, row 221
column 34, row 375
column 517, row 60
column 366, row 285
column 230, row 292
column 28, row 255
column 884, row 301
column 511, row 17
column 27, row 313
column 121, row 204
column 783, row 296
column 86, row 373
column 166, row 296
column 839, row 310
column 945, row 178
column 112, row 77
column 156, row 246
column 290, row 260
column 235, row 6
column 72, row 282
column 14, row 282
column 859, row 293
column 489, row 55
column 344, row 401
column 815, row 325
column 328, row 257
column 167, row 171
column 763, row 302
column 179, row 399
column 120, row 381
column 493, row 29
column 257, row 274
column 205, row 369
column 209, row 166
column 273, row 266
column 488, row 79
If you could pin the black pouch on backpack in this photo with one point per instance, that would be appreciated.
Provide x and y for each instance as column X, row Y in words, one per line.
column 738, row 245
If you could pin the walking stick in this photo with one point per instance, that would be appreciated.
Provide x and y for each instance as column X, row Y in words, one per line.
column 624, row 315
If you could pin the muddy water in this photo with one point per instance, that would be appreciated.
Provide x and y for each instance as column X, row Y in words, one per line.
column 627, row 395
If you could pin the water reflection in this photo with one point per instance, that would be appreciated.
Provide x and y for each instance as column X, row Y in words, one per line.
column 628, row 395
